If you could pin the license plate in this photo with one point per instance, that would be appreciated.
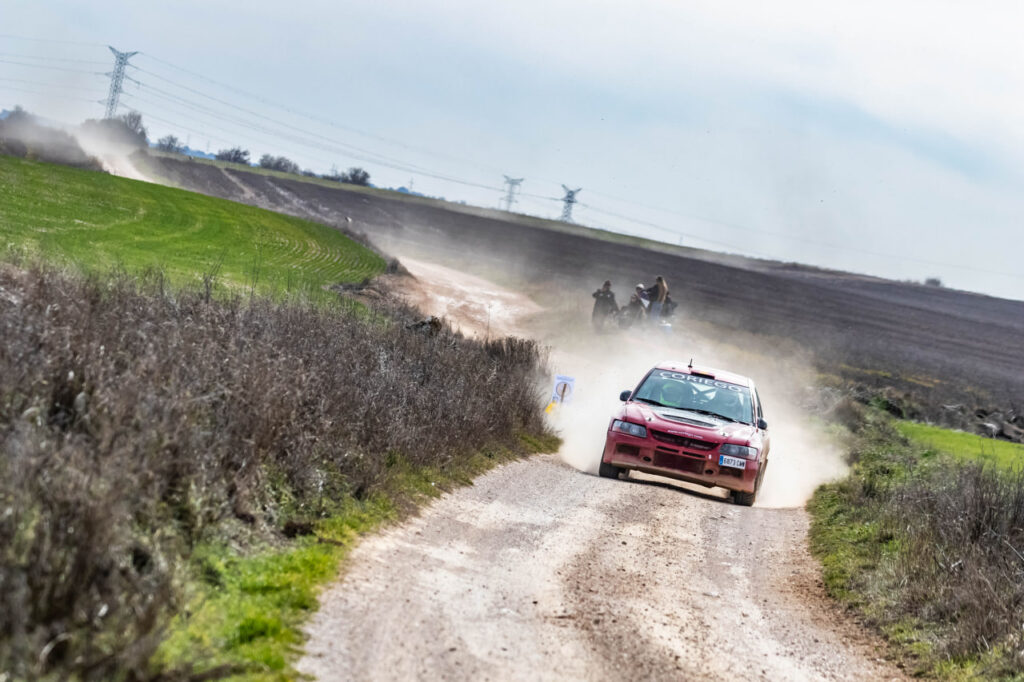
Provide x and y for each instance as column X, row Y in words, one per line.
column 734, row 462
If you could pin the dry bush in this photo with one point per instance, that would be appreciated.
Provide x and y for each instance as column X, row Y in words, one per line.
column 936, row 548
column 962, row 562
column 133, row 420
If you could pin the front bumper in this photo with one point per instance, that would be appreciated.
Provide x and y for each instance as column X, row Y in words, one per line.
column 682, row 463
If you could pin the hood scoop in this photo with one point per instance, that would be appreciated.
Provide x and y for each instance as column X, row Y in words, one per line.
column 677, row 417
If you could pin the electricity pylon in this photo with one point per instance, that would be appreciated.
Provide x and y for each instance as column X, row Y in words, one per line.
column 116, row 80
column 513, row 186
column 568, row 201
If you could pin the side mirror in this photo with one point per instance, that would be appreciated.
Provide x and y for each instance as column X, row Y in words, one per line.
column 762, row 424
column 625, row 395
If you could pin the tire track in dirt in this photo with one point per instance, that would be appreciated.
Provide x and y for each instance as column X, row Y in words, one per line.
column 541, row 572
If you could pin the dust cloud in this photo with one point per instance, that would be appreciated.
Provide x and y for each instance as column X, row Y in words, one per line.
column 801, row 457
column 114, row 157
column 604, row 364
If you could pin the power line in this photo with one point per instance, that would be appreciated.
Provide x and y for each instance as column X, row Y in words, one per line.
column 320, row 119
column 367, row 155
column 47, row 85
column 8, row 36
column 12, row 88
column 51, row 68
column 50, row 59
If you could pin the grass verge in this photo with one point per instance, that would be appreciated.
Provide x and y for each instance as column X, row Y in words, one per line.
column 247, row 608
column 927, row 546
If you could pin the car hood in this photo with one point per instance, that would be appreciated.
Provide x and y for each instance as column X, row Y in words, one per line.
column 685, row 422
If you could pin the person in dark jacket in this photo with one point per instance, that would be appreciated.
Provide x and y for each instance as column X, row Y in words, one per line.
column 604, row 305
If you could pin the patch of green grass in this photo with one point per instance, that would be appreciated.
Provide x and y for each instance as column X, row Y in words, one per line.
column 247, row 609
column 97, row 221
column 846, row 534
column 844, row 539
column 966, row 446
column 869, row 542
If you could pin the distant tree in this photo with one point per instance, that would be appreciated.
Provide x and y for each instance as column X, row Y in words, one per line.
column 133, row 122
column 19, row 115
column 933, row 282
column 355, row 176
column 125, row 130
column 309, row 174
column 169, row 143
column 233, row 155
column 278, row 163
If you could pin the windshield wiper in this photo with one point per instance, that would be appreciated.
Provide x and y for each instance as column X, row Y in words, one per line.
column 651, row 402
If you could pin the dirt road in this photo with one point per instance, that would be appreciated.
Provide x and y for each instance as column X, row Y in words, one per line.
column 540, row 571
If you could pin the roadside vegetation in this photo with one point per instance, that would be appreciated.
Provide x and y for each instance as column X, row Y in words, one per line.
column 925, row 539
column 168, row 455
column 194, row 429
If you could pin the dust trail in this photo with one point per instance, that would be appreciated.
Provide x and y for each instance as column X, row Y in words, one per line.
column 801, row 456
column 604, row 364
column 113, row 156
column 471, row 304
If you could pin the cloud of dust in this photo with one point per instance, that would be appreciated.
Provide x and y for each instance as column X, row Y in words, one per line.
column 801, row 456
column 603, row 365
column 112, row 155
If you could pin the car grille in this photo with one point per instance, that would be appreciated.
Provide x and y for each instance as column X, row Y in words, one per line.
column 683, row 441
column 678, row 462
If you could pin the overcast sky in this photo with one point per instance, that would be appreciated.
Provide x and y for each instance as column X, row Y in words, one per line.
column 877, row 137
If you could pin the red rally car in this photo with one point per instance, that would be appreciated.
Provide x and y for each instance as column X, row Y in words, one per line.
column 703, row 426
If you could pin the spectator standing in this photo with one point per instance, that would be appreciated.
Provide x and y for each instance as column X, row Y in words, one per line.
column 604, row 305
column 659, row 292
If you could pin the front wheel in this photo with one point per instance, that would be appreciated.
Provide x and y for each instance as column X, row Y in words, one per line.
column 747, row 499
column 744, row 499
column 608, row 471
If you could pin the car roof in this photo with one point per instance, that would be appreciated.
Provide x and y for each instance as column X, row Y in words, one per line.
column 711, row 372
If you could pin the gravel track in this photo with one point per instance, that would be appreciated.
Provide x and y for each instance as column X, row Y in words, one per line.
column 539, row 571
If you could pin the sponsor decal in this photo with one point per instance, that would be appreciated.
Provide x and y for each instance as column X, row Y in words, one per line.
column 679, row 376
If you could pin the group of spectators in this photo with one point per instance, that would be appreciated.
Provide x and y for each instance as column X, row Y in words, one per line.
column 651, row 304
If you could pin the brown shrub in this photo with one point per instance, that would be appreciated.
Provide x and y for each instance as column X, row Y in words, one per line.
column 962, row 560
column 132, row 420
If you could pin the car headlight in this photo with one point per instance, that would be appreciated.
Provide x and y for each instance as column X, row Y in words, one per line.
column 738, row 450
column 631, row 429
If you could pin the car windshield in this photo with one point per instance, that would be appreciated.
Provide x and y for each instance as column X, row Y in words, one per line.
column 696, row 393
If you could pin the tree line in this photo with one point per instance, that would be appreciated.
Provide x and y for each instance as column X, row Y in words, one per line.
column 353, row 176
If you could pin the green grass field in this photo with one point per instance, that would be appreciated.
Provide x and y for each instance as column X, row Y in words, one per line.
column 963, row 445
column 97, row 222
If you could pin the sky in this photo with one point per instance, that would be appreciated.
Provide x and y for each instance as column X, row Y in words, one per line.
column 884, row 138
